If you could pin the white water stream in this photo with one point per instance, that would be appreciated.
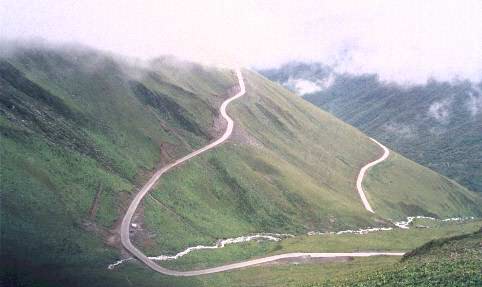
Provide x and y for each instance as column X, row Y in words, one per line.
column 219, row 244
column 405, row 224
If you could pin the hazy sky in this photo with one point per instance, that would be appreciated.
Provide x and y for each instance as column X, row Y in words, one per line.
column 400, row 40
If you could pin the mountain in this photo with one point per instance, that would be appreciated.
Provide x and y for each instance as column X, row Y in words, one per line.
column 437, row 124
column 82, row 130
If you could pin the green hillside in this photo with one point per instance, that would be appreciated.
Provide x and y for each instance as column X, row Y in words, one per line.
column 436, row 124
column 81, row 130
column 454, row 261
column 344, row 271
column 446, row 254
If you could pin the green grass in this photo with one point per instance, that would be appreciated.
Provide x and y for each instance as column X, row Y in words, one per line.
column 76, row 124
column 278, row 185
column 453, row 261
column 398, row 240
column 71, row 125
column 309, row 274
column 395, row 189
column 297, row 275
column 400, row 117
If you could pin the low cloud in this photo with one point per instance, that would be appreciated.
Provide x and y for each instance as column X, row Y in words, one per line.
column 404, row 41
column 474, row 104
column 440, row 110
column 302, row 86
column 400, row 130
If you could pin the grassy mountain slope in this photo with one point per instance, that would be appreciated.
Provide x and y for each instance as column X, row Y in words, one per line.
column 81, row 130
column 278, row 184
column 77, row 137
column 452, row 261
column 302, row 272
column 332, row 148
column 437, row 124
column 395, row 189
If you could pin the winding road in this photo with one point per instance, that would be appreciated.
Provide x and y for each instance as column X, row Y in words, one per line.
column 363, row 171
column 126, row 221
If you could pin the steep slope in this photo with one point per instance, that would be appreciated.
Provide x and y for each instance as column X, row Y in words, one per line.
column 81, row 130
column 79, row 133
column 437, row 124
column 327, row 148
column 452, row 261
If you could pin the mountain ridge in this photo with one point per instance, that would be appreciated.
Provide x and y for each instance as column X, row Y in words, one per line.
column 434, row 124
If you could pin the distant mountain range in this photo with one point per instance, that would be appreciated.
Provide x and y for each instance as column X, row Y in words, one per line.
column 438, row 124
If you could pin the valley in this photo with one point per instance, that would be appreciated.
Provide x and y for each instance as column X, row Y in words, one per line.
column 240, row 143
column 126, row 222
column 83, row 129
column 433, row 123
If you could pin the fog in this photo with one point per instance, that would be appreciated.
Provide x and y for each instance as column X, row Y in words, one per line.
column 403, row 41
column 474, row 103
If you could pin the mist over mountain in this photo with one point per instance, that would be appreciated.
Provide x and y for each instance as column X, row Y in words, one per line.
column 403, row 41
column 298, row 76
column 240, row 143
column 437, row 124
column 82, row 130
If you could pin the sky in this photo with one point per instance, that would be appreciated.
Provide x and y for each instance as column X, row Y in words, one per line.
column 403, row 41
